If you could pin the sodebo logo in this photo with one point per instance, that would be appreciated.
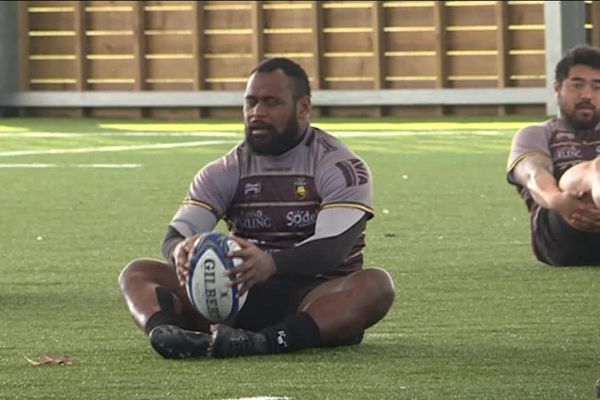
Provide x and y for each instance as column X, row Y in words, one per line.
column 301, row 218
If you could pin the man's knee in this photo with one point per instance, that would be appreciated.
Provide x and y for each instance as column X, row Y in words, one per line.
column 140, row 270
column 379, row 284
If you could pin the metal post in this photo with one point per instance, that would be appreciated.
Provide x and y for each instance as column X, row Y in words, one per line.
column 9, row 50
column 565, row 28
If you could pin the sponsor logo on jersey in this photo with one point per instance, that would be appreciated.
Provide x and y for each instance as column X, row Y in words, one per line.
column 301, row 188
column 355, row 172
column 254, row 220
column 300, row 218
column 567, row 152
column 565, row 136
column 252, row 188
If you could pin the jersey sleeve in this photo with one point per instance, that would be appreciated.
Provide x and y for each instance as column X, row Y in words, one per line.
column 344, row 180
column 531, row 139
column 212, row 189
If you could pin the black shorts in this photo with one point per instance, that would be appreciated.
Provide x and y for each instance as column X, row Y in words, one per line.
column 557, row 243
column 273, row 301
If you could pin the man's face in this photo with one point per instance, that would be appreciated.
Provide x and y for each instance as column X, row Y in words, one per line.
column 272, row 118
column 579, row 97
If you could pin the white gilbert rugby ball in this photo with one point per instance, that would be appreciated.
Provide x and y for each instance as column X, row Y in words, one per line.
column 207, row 286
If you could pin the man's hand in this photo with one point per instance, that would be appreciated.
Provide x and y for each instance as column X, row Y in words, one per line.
column 181, row 256
column 257, row 266
column 578, row 210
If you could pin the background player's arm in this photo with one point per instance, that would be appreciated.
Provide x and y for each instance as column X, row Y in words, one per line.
column 534, row 172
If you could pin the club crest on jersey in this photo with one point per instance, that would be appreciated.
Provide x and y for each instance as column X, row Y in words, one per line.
column 301, row 189
column 252, row 188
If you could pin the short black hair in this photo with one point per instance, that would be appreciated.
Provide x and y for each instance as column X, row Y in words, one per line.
column 289, row 68
column 579, row 55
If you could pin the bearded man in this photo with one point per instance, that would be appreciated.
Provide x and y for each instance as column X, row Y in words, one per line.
column 556, row 166
column 297, row 201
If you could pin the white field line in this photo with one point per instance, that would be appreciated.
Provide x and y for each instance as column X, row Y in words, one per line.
column 111, row 148
column 261, row 398
column 44, row 165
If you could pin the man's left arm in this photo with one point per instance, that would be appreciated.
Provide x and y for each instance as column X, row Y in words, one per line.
column 336, row 232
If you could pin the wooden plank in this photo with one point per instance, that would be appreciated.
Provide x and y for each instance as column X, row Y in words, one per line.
column 111, row 86
column 424, row 84
column 523, row 64
column 319, row 71
column 257, row 32
column 502, row 46
column 527, row 83
column 80, row 45
column 348, row 85
column 411, row 41
column 169, row 44
column 53, row 69
column 288, row 43
column 472, row 65
column 473, row 110
column 139, row 46
column 595, row 20
column 413, row 111
column 412, row 66
column 441, row 45
column 287, row 19
column 525, row 14
column 470, row 15
column 110, row 45
column 526, row 40
column 471, row 40
column 112, row 69
column 229, row 67
column 170, row 68
column 109, row 21
column 379, row 59
column 170, row 19
column 347, row 17
column 228, row 19
column 24, row 45
column 347, row 42
column 407, row 16
column 198, row 60
column 228, row 44
column 170, row 87
column 471, row 84
column 360, row 68
column 138, row 70
column 352, row 112
column 529, row 110
column 56, row 21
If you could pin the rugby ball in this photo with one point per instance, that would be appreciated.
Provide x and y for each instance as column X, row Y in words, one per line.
column 207, row 286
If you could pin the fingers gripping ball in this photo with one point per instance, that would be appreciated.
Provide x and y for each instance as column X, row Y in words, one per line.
column 207, row 286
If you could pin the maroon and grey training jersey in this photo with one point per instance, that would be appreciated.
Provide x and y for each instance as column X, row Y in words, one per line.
column 557, row 140
column 275, row 200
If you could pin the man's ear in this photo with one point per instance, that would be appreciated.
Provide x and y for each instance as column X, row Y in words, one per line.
column 303, row 107
column 556, row 86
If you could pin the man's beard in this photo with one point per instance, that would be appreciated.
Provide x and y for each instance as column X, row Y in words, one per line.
column 275, row 143
column 580, row 123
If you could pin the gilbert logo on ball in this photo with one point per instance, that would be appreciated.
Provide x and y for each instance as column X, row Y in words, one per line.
column 207, row 286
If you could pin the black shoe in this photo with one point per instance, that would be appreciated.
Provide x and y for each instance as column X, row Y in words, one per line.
column 171, row 341
column 231, row 342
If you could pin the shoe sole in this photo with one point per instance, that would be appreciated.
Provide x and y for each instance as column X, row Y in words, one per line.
column 173, row 342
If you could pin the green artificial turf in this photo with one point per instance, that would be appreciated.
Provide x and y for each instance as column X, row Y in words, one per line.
column 476, row 317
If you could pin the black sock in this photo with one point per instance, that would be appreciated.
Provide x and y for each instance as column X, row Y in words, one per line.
column 296, row 333
column 167, row 314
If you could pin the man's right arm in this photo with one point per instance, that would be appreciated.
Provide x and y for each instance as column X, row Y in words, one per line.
column 534, row 172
